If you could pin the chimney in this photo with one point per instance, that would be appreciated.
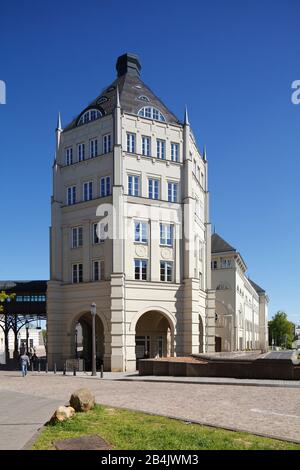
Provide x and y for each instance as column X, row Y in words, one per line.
column 128, row 63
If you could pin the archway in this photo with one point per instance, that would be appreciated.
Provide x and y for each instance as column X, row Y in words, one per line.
column 154, row 336
column 83, row 340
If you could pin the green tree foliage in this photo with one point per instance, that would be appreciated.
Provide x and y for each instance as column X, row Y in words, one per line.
column 3, row 297
column 281, row 330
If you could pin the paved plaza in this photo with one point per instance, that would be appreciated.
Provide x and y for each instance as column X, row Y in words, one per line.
column 26, row 403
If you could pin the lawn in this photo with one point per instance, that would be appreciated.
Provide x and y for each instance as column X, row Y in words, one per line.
column 128, row 430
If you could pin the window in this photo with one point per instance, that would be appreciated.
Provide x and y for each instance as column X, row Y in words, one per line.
column 141, row 232
column 153, row 185
column 172, row 192
column 71, row 195
column 166, row 234
column 69, row 156
column 166, row 271
column 81, row 152
column 202, row 179
column 98, row 270
column 160, row 149
column 105, row 186
column 130, row 142
column 146, row 146
column 89, row 115
column 76, row 237
column 140, row 269
column 93, row 148
column 102, row 234
column 107, row 143
column 174, row 152
column 77, row 273
column 151, row 113
column 225, row 263
column 214, row 265
column 88, row 191
column 133, row 185
column 143, row 98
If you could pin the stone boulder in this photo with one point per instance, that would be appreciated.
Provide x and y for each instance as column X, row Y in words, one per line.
column 62, row 414
column 82, row 400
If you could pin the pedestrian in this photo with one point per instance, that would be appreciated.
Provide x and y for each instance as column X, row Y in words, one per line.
column 25, row 363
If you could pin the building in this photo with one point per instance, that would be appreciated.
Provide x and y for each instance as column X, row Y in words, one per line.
column 241, row 305
column 130, row 231
column 28, row 304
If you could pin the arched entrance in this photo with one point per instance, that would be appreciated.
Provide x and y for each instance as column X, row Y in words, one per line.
column 83, row 340
column 154, row 336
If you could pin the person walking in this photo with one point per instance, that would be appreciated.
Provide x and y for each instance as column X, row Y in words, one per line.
column 25, row 363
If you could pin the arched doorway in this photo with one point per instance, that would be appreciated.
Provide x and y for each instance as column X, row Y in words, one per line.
column 154, row 336
column 83, row 340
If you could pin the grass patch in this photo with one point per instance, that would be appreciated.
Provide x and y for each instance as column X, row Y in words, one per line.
column 129, row 430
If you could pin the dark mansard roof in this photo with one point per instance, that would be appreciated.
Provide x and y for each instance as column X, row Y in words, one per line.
column 133, row 92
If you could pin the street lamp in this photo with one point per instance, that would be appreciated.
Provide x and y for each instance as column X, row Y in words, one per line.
column 27, row 334
column 93, row 313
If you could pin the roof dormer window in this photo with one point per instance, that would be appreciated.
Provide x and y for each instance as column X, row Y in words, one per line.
column 151, row 113
column 90, row 115
column 143, row 98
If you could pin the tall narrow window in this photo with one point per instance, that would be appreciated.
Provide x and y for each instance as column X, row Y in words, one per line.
column 140, row 269
column 161, row 149
column 71, row 195
column 88, row 191
column 166, row 234
column 174, row 152
column 81, row 152
column 101, row 232
column 107, row 147
column 153, row 185
column 146, row 146
column 105, row 186
column 133, row 185
column 76, row 237
column 130, row 142
column 77, row 273
column 93, row 148
column 98, row 270
column 141, row 232
column 172, row 192
column 166, row 271
column 69, row 156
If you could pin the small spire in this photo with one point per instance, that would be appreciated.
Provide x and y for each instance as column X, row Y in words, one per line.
column 118, row 98
column 204, row 153
column 186, row 117
column 58, row 127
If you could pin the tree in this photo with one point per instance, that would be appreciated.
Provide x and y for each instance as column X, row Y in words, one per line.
column 281, row 330
column 5, row 321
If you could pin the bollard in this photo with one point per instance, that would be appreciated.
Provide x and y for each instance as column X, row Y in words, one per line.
column 46, row 368
column 65, row 369
column 39, row 367
column 54, row 369
column 32, row 369
column 74, row 371
column 101, row 371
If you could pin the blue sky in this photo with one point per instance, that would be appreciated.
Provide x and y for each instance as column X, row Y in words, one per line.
column 231, row 62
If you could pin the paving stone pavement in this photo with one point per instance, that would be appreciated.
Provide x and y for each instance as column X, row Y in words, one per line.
column 271, row 411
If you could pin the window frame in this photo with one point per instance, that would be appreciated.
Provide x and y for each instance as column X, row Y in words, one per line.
column 140, row 267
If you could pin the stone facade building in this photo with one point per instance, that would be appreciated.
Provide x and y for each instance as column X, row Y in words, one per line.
column 130, row 231
column 241, row 305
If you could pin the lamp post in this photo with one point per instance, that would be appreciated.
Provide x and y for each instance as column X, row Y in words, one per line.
column 76, row 346
column 93, row 313
column 27, row 334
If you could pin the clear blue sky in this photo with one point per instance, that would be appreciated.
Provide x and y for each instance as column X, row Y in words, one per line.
column 231, row 62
